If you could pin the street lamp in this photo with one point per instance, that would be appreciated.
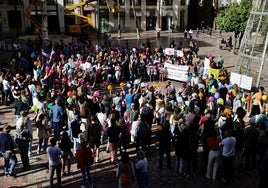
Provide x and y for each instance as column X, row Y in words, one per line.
column 135, row 17
column 118, row 19
column 44, row 19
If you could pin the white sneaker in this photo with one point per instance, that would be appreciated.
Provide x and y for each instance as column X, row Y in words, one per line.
column 96, row 160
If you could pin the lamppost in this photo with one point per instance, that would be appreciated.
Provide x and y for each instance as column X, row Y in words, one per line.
column 98, row 27
column 118, row 19
column 44, row 19
column 135, row 17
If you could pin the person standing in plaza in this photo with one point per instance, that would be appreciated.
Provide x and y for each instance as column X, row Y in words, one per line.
column 142, row 169
column 214, row 155
column 42, row 128
column 6, row 90
column 95, row 130
column 57, row 114
column 257, row 102
column 228, row 152
column 7, row 150
column 66, row 145
column 250, row 151
column 113, row 133
column 125, row 171
column 165, row 137
column 22, row 138
column 84, row 157
column 19, row 107
column 54, row 157
column 27, row 123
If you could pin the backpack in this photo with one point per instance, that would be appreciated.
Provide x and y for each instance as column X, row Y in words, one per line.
column 75, row 127
column 143, row 129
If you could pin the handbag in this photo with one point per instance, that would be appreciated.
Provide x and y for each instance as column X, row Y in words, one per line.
column 48, row 132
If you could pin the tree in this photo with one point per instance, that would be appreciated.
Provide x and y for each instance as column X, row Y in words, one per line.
column 234, row 19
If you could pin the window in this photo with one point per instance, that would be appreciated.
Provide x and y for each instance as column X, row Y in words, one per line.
column 183, row 2
column 151, row 2
column 167, row 2
column 68, row 2
column 14, row 19
column 136, row 2
column 51, row 2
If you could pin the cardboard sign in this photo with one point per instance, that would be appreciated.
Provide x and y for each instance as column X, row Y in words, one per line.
column 177, row 72
column 169, row 51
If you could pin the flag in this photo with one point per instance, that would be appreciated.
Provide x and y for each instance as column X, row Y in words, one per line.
column 51, row 54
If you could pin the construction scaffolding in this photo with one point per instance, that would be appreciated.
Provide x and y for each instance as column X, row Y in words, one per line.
column 252, row 56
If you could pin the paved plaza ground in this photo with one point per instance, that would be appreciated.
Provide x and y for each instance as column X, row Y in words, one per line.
column 103, row 173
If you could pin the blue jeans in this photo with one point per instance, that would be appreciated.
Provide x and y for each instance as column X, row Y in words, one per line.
column 52, row 169
column 76, row 144
column 86, row 174
column 142, row 179
column 40, row 143
column 57, row 129
column 70, row 131
column 6, row 96
column 9, row 169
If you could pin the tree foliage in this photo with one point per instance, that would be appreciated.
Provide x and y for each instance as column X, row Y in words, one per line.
column 234, row 18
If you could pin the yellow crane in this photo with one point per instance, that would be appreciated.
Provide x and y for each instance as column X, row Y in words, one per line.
column 86, row 20
column 33, row 20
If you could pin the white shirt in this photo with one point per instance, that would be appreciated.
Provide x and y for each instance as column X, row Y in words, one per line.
column 6, row 84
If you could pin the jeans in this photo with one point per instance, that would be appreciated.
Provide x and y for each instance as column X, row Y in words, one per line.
column 213, row 163
column 40, row 142
column 9, row 169
column 57, row 129
column 30, row 148
column 86, row 174
column 6, row 96
column 142, row 179
column 181, row 165
column 70, row 131
column 76, row 144
column 52, row 169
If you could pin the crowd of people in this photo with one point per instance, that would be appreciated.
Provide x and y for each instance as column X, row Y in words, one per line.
column 70, row 92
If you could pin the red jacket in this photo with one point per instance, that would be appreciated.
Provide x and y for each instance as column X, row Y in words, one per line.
column 84, row 157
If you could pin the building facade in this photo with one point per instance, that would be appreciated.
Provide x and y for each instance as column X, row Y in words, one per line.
column 26, row 16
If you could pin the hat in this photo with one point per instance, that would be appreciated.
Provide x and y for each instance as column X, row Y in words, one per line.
column 7, row 128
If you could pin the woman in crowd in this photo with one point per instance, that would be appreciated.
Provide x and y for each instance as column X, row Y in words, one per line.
column 142, row 169
column 113, row 133
column 43, row 127
column 66, row 145
column 125, row 171
column 84, row 157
